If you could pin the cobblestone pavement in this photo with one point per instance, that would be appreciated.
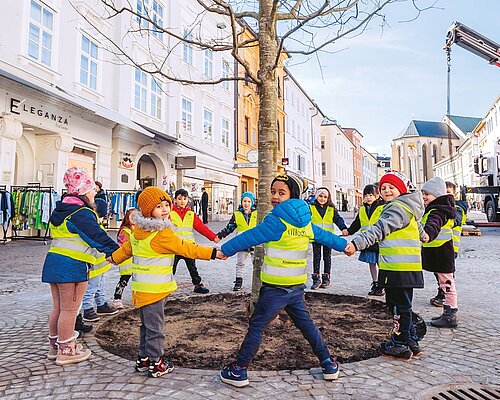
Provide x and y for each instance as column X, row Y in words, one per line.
column 467, row 354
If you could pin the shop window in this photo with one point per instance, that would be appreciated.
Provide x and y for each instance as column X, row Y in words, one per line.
column 187, row 48
column 207, row 125
column 88, row 63
column 225, row 132
column 186, row 115
column 151, row 10
column 41, row 31
column 209, row 61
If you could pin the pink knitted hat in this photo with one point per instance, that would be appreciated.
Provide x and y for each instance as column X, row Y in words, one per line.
column 78, row 182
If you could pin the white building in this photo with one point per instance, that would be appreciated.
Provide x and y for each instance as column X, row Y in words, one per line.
column 337, row 163
column 370, row 163
column 302, row 132
column 64, row 103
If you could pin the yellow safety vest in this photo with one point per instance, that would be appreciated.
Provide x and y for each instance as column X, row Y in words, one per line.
column 126, row 266
column 70, row 244
column 366, row 222
column 241, row 222
column 327, row 221
column 100, row 265
column 183, row 227
column 401, row 250
column 285, row 260
column 152, row 272
column 457, row 230
column 445, row 234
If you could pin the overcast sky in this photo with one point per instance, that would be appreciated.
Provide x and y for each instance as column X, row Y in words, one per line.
column 379, row 81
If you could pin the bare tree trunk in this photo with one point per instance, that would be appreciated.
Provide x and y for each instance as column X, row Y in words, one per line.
column 268, row 127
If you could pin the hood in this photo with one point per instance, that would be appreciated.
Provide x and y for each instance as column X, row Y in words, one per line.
column 61, row 211
column 293, row 211
column 445, row 204
column 414, row 202
column 151, row 224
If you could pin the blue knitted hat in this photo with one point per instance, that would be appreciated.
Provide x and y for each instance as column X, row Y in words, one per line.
column 250, row 195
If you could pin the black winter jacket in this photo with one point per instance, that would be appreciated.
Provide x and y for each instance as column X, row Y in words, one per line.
column 356, row 224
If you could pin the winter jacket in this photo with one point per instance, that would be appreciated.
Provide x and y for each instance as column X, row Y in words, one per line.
column 58, row 268
column 337, row 219
column 462, row 208
column 356, row 224
column 231, row 225
column 295, row 212
column 165, row 242
column 393, row 218
column 442, row 258
column 198, row 224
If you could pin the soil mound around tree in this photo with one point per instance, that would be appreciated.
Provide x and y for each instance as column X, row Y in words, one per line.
column 205, row 332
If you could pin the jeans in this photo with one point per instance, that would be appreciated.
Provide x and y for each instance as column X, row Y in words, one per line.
column 327, row 258
column 191, row 266
column 399, row 301
column 270, row 302
column 151, row 336
column 95, row 289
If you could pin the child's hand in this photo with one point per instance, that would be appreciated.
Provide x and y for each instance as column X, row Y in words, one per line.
column 425, row 238
column 110, row 260
column 350, row 249
column 220, row 255
column 345, row 232
column 217, row 239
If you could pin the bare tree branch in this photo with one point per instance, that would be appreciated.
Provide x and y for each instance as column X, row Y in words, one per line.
column 288, row 16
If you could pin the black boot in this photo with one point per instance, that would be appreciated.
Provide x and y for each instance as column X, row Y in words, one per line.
column 438, row 300
column 81, row 326
column 238, row 283
column 448, row 319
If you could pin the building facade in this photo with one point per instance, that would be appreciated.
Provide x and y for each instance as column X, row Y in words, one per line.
column 357, row 159
column 369, row 163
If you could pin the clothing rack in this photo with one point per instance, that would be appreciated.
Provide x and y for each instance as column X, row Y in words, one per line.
column 35, row 187
column 5, row 226
column 115, row 216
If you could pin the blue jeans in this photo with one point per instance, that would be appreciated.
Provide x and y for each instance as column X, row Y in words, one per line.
column 270, row 302
column 95, row 289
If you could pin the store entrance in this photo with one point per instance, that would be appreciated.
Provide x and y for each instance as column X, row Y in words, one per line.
column 146, row 172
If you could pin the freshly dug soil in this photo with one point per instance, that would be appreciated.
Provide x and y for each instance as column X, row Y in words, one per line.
column 206, row 331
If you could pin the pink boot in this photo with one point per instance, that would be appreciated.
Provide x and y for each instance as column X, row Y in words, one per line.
column 52, row 354
column 70, row 353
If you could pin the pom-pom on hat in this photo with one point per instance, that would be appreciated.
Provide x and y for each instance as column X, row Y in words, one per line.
column 78, row 182
column 435, row 186
column 295, row 183
column 397, row 179
column 150, row 198
column 250, row 195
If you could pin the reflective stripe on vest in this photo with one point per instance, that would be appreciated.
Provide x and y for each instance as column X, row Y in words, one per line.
column 69, row 244
column 445, row 234
column 285, row 260
column 183, row 227
column 366, row 222
column 100, row 265
column 326, row 222
column 152, row 272
column 241, row 222
column 401, row 250
column 457, row 230
column 126, row 266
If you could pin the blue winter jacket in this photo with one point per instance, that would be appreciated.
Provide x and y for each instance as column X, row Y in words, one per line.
column 62, row 269
column 295, row 212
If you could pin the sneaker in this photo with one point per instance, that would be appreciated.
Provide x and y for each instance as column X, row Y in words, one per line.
column 438, row 300
column 325, row 281
column 106, row 309
column 118, row 304
column 200, row 288
column 142, row 364
column 391, row 349
column 238, row 283
column 373, row 289
column 379, row 291
column 80, row 326
column 234, row 375
column 414, row 347
column 330, row 369
column 90, row 315
column 316, row 281
column 160, row 367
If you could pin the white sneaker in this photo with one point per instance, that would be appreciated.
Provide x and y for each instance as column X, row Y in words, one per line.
column 118, row 304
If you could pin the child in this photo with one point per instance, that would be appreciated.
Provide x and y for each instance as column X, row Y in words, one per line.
column 75, row 231
column 185, row 220
column 95, row 289
column 285, row 232
column 126, row 228
column 153, row 245
column 437, row 252
column 367, row 216
column 324, row 215
column 243, row 219
column 400, row 266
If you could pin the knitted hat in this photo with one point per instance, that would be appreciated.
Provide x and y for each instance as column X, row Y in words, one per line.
column 78, row 182
column 295, row 183
column 435, row 186
column 250, row 195
column 398, row 180
column 150, row 198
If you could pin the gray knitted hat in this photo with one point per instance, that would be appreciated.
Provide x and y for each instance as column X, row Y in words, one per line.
column 435, row 186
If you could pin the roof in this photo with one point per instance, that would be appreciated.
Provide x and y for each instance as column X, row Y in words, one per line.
column 427, row 129
column 465, row 124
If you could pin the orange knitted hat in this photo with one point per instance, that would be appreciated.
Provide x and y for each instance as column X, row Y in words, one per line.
column 150, row 198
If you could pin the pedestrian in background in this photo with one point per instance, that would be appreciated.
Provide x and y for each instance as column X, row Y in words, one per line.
column 204, row 205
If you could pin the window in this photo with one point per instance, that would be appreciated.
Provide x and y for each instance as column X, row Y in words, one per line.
column 155, row 99
column 151, row 10
column 187, row 116
column 209, row 61
column 141, row 90
column 323, row 168
column 207, row 124
column 225, row 74
column 187, row 48
column 225, row 132
column 147, row 98
column 88, row 63
column 247, row 130
column 41, row 30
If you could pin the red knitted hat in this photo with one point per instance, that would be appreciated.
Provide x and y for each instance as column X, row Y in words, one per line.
column 396, row 179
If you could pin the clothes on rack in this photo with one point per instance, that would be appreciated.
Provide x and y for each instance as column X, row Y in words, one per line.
column 32, row 207
column 6, row 209
column 119, row 202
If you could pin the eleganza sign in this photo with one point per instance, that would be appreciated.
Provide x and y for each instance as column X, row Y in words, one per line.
column 38, row 114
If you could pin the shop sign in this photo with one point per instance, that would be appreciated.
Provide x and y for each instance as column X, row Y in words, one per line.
column 185, row 162
column 38, row 112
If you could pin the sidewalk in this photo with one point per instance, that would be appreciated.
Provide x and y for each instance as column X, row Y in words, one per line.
column 464, row 355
